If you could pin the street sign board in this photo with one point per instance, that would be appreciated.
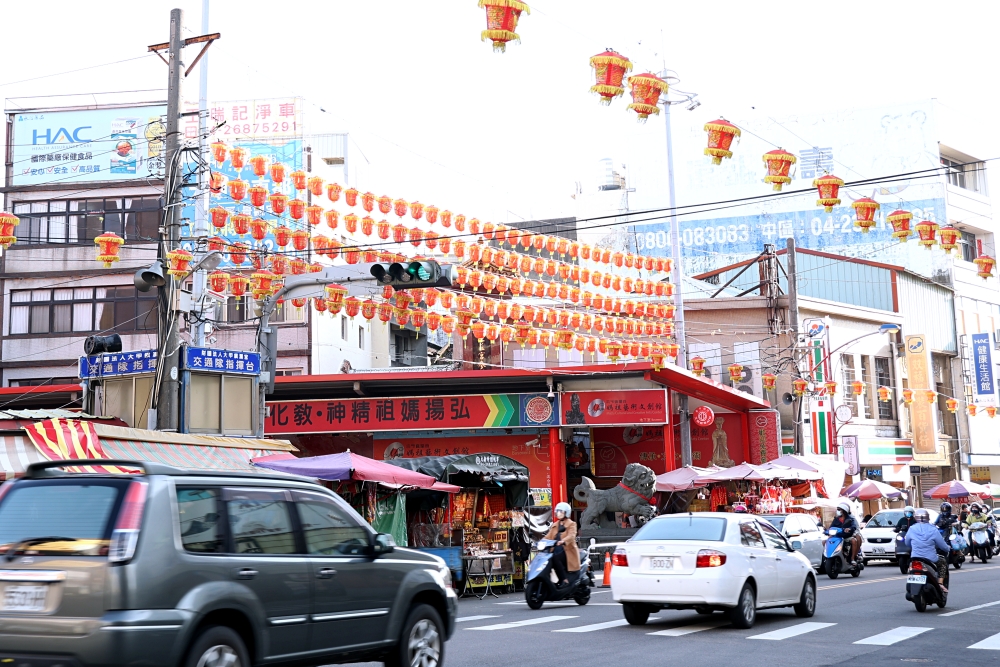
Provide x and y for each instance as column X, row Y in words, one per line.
column 849, row 453
column 117, row 364
column 232, row 362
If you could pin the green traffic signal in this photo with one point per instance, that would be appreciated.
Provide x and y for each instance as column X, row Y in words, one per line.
column 411, row 274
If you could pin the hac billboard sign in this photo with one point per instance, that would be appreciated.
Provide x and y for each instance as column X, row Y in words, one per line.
column 61, row 134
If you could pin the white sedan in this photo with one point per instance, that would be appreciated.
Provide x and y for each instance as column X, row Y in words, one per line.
column 735, row 563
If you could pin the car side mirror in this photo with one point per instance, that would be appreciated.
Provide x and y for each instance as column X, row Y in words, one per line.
column 382, row 544
column 793, row 533
column 796, row 545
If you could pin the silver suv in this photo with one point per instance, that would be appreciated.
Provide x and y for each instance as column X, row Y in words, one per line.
column 205, row 569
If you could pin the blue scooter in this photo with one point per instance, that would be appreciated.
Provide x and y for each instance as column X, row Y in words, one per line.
column 539, row 585
column 835, row 562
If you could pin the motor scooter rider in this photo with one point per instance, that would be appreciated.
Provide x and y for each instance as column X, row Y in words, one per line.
column 945, row 519
column 927, row 544
column 849, row 530
column 905, row 521
column 565, row 556
column 978, row 513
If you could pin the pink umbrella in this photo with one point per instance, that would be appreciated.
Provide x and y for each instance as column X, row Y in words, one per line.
column 682, row 479
column 869, row 489
column 956, row 489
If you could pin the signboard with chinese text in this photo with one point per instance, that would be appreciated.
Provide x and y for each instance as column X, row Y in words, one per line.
column 923, row 415
column 392, row 414
column 250, row 120
column 982, row 361
column 232, row 362
column 765, row 434
column 117, row 364
column 616, row 447
column 610, row 408
column 106, row 144
column 849, row 453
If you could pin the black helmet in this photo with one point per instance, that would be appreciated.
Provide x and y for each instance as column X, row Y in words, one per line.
column 946, row 507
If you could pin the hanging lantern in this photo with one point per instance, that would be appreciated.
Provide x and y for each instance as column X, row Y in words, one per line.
column 332, row 218
column 884, row 394
column 178, row 262
column 108, row 246
column 216, row 182
column 215, row 243
column 399, row 231
column 930, row 395
column 368, row 201
column 907, row 396
column 238, row 253
column 400, row 206
column 367, row 224
column 446, row 218
column 219, row 152
column 800, row 387
column 448, row 324
column 277, row 172
column 298, row 179
column 479, row 329
column 672, row 350
column 300, row 239
column 857, row 387
column 828, row 187
column 984, row 264
column 900, row 221
column 333, row 249
column 314, row 214
column 769, row 380
column 351, row 223
column 319, row 305
column 258, row 196
column 720, row 138
column 991, row 411
column 698, row 366
column 333, row 191
column 352, row 255
column 864, row 210
column 656, row 357
column 279, row 264
column 278, row 203
column 609, row 70
column 262, row 283
column 927, row 231
column 258, row 229
column 298, row 266
column 952, row 405
column 385, row 312
column 416, row 237
column 614, row 350
column 948, row 238
column 565, row 339
column 501, row 21
column 282, row 236
column 238, row 284
column 646, row 90
column 779, row 163
column 219, row 216
column 416, row 210
column 237, row 189
column 259, row 165
column 368, row 308
column 971, row 409
column 351, row 196
column 296, row 209
column 218, row 281
column 431, row 214
column 736, row 372
column 830, row 387
column 238, row 158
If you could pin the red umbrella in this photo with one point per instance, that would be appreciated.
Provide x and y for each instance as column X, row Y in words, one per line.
column 869, row 489
column 956, row 489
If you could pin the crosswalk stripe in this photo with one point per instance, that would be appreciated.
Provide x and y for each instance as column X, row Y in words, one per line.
column 518, row 624
column 792, row 631
column 990, row 643
column 893, row 636
column 475, row 618
column 978, row 606
column 561, row 603
column 688, row 629
column 600, row 626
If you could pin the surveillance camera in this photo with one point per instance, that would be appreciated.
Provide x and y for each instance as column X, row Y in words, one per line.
column 693, row 104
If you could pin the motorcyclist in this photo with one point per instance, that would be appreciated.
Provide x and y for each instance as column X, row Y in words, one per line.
column 945, row 519
column 926, row 543
column 565, row 555
column 978, row 513
column 849, row 529
column 905, row 521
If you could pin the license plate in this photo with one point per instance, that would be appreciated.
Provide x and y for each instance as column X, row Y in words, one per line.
column 878, row 550
column 24, row 598
column 661, row 563
column 916, row 579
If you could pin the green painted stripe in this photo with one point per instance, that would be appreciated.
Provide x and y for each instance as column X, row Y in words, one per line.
column 823, row 443
column 893, row 451
column 506, row 406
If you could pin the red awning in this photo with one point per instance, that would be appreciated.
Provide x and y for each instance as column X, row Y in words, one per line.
column 710, row 391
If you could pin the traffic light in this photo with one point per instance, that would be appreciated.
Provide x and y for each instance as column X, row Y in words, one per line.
column 408, row 274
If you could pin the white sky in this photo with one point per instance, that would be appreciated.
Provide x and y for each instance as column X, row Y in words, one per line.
column 443, row 119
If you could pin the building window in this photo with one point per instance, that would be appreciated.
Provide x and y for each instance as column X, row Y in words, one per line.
column 287, row 371
column 969, row 248
column 847, row 362
column 136, row 220
column 966, row 175
column 883, row 378
column 81, row 310
column 343, row 327
column 361, row 338
column 865, row 400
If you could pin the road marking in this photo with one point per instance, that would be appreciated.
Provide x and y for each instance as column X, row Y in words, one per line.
column 600, row 626
column 474, row 618
column 990, row 643
column 892, row 636
column 564, row 603
column 859, row 583
column 792, row 631
column 688, row 629
column 518, row 624
column 978, row 606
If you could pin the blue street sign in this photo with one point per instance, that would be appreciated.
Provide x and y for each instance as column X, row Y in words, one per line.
column 117, row 364
column 983, row 363
column 233, row 362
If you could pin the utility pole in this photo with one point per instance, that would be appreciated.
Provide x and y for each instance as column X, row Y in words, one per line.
column 200, row 229
column 793, row 327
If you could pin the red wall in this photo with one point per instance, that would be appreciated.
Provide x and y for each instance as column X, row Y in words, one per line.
column 617, row 446
column 701, row 441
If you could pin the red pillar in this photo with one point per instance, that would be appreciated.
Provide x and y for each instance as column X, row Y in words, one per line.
column 557, row 467
column 669, row 444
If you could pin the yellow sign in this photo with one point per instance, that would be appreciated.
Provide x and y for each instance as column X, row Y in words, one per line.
column 980, row 474
column 923, row 415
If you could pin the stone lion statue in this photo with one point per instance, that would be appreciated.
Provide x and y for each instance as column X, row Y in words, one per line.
column 632, row 495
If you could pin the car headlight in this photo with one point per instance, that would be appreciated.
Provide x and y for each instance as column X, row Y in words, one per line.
column 446, row 576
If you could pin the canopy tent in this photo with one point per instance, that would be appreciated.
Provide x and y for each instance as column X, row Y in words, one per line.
column 345, row 466
column 993, row 490
column 833, row 472
column 748, row 472
column 683, row 479
column 475, row 470
column 869, row 489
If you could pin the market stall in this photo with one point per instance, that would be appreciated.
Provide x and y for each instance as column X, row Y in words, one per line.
column 757, row 489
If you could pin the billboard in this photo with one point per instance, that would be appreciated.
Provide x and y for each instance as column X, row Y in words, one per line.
column 250, row 120
column 923, row 415
column 982, row 357
column 90, row 145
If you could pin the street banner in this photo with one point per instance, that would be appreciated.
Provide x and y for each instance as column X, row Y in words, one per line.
column 923, row 415
column 982, row 361
column 614, row 408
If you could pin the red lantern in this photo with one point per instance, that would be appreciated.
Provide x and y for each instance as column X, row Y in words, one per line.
column 313, row 214
column 399, row 231
column 800, row 387
column 238, row 157
column 238, row 254
column 779, row 163
column 927, row 231
column 416, row 237
column 971, row 409
column 501, row 21
column 952, row 405
column 984, row 264
column 215, row 243
column 769, row 380
column 218, row 280
column 446, row 218
column 300, row 239
column 178, row 262
column 219, row 152
column 278, row 203
column 259, row 165
column 258, row 229
column 609, row 70
column 258, row 196
column 883, row 394
column 298, row 178
column 828, row 187
column 830, row 387
column 277, row 172
column 315, row 185
column 298, row 266
column 238, row 284
column 8, row 221
column 698, row 366
column 416, row 210
column 900, row 221
column 400, row 206
column 720, row 138
column 216, row 182
column 351, row 196
column 864, row 209
column 108, row 246
column 948, row 238
column 237, row 189
column 646, row 90
column 282, row 236
column 459, row 222
column 279, row 264
column 333, row 191
column 296, row 209
column 219, row 216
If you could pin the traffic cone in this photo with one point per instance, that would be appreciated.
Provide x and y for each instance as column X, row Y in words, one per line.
column 607, row 569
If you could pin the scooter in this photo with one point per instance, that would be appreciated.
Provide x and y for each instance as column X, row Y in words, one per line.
column 902, row 553
column 541, row 585
column 980, row 541
column 834, row 561
column 921, row 585
column 958, row 545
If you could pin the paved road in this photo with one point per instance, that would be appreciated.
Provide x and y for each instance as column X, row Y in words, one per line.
column 864, row 621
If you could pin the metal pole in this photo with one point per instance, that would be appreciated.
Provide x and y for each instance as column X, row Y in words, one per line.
column 675, row 251
column 167, row 404
column 201, row 200
column 793, row 326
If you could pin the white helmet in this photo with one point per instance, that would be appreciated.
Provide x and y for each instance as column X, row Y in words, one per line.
column 844, row 506
column 564, row 508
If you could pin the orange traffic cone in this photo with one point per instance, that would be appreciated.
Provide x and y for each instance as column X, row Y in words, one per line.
column 607, row 569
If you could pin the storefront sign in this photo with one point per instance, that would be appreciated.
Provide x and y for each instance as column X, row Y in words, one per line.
column 849, row 453
column 703, row 416
column 607, row 408
column 233, row 362
column 765, row 434
column 719, row 444
column 616, row 447
column 884, row 451
column 923, row 415
column 117, row 364
column 396, row 414
column 980, row 474
column 982, row 360
column 541, row 497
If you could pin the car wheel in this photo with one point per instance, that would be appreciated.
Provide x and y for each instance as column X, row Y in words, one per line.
column 807, row 601
column 744, row 613
column 534, row 595
column 833, row 568
column 421, row 643
column 635, row 614
column 218, row 646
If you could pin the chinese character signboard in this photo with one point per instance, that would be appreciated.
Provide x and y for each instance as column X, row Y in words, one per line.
column 982, row 361
column 923, row 415
column 251, row 120
column 849, row 453
column 117, row 364
column 616, row 447
column 87, row 146
column 396, row 414
column 765, row 434
column 233, row 362
column 608, row 408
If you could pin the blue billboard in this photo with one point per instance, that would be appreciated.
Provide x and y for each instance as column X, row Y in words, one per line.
column 982, row 361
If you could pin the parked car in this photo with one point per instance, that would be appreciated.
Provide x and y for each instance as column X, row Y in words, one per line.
column 803, row 533
column 206, row 569
column 878, row 535
column 735, row 563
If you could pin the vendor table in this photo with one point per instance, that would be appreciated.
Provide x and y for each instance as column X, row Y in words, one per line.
column 487, row 561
